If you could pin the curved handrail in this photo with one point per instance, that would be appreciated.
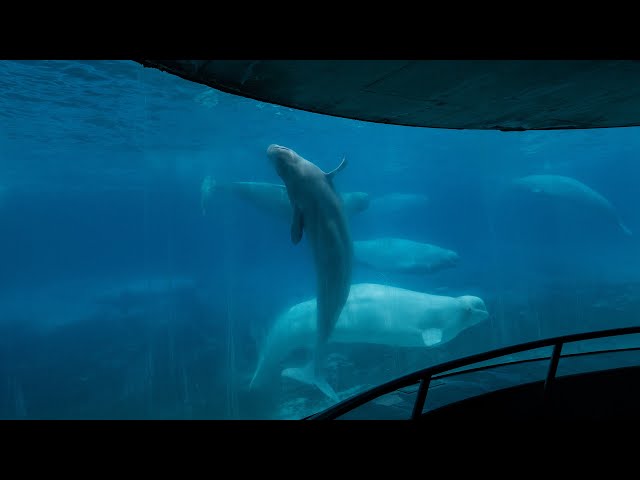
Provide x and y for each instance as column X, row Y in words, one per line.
column 424, row 375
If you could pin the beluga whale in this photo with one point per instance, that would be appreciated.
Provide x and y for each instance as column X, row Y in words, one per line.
column 571, row 191
column 404, row 256
column 318, row 210
column 374, row 314
column 272, row 198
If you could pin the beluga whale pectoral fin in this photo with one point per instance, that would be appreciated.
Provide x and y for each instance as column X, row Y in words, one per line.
column 297, row 226
column 432, row 336
column 336, row 170
column 309, row 375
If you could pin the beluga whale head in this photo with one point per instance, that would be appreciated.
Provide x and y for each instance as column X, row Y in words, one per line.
column 283, row 159
column 451, row 258
column 474, row 310
column 357, row 201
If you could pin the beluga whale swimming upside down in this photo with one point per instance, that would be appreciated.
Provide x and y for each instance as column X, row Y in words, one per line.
column 318, row 210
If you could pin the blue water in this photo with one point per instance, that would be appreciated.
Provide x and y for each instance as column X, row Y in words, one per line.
column 120, row 299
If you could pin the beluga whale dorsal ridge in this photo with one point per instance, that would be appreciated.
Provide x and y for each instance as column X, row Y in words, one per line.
column 318, row 211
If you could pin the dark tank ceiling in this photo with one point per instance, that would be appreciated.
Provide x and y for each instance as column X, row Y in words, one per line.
column 457, row 94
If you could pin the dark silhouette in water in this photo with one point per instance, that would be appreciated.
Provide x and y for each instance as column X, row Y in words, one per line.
column 572, row 191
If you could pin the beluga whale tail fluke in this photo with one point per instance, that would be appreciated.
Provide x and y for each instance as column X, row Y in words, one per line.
column 308, row 375
column 318, row 210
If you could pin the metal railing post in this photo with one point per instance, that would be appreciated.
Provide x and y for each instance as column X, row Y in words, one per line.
column 420, row 398
column 425, row 375
column 551, row 373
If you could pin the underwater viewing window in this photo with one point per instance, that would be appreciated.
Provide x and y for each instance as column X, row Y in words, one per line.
column 160, row 261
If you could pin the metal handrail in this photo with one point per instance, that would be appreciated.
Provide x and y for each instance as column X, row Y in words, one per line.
column 424, row 375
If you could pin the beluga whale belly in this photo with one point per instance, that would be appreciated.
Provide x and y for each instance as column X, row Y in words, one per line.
column 318, row 210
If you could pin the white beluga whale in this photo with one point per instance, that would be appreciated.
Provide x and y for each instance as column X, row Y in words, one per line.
column 272, row 197
column 318, row 211
column 404, row 256
column 569, row 190
column 374, row 314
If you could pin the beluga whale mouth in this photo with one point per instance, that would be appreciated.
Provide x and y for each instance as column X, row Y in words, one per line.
column 284, row 161
column 274, row 148
column 274, row 152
